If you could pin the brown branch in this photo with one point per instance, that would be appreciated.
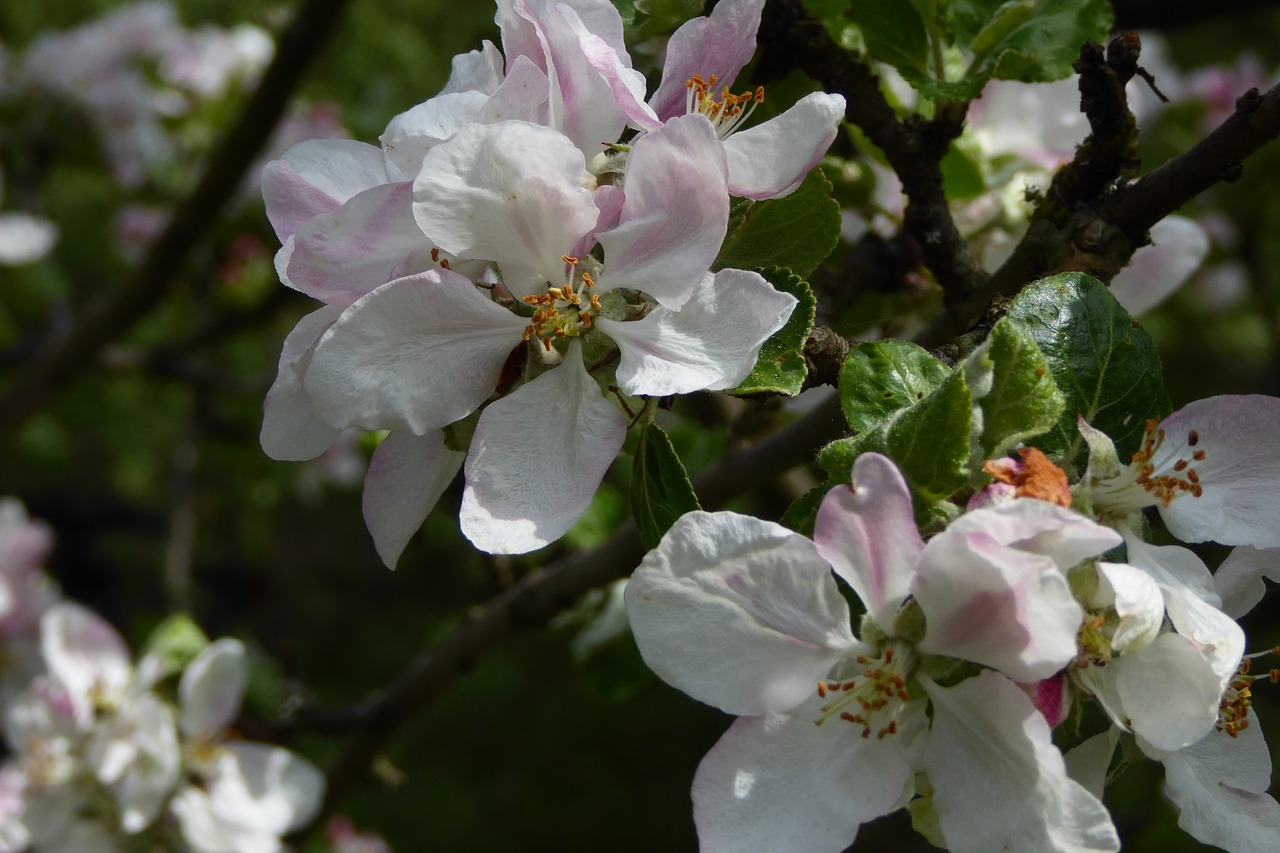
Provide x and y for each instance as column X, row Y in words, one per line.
column 70, row 350
column 535, row 599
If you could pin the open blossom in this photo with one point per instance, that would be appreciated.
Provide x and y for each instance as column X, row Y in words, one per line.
column 746, row 616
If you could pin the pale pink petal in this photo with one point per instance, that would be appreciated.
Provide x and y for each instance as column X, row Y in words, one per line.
column 1220, row 788
column 1239, row 578
column 675, row 214
column 537, row 457
column 717, row 45
column 771, row 159
column 264, row 787
column 867, row 532
column 998, row 781
column 1178, row 247
column 739, row 613
column 144, row 788
column 339, row 258
column 626, row 84
column 85, row 654
column 778, row 782
column 521, row 97
column 212, row 687
column 1240, row 503
column 292, row 429
column 608, row 200
column 511, row 192
column 406, row 477
column 318, row 177
column 711, row 343
column 417, row 354
column 410, row 135
column 477, row 70
column 1039, row 527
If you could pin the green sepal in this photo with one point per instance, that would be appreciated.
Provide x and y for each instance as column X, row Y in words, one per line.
column 797, row 231
column 660, row 487
column 1012, row 385
column 780, row 367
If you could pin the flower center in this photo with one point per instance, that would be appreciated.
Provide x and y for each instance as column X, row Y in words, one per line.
column 1154, row 476
column 563, row 311
column 726, row 112
column 872, row 698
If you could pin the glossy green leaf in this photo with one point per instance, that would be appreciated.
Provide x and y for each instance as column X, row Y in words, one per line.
column 660, row 487
column 894, row 33
column 881, row 378
column 1102, row 360
column 780, row 367
column 1014, row 388
column 797, row 231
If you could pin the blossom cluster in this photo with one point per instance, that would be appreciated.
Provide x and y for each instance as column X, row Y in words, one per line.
column 99, row 756
column 973, row 646
column 525, row 255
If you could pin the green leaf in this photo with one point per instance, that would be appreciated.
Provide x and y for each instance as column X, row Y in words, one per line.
column 881, row 378
column 1102, row 360
column 796, row 232
column 781, row 368
column 803, row 511
column 1032, row 40
column 930, row 441
column 1019, row 399
column 175, row 642
column 962, row 173
column 894, row 33
column 660, row 487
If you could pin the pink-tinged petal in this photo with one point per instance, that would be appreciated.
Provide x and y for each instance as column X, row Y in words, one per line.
column 1239, row 579
column 626, row 84
column 739, row 613
column 1052, row 698
column 521, row 97
column 1172, row 566
column 1039, row 527
column 537, row 457
column 410, row 135
column 264, row 787
column 779, row 783
column 205, row 833
column 675, row 214
column 1239, row 503
column 1041, row 123
column 995, row 605
column 709, row 344
column 998, row 781
column 1168, row 692
column 417, row 354
column 475, row 71
column 1220, row 788
column 292, row 429
column 1178, row 247
column 339, row 258
column 513, row 193
column 407, row 475
column 771, row 159
column 317, row 177
column 85, row 654
column 867, row 532
column 608, row 201
column 717, row 45
column 211, row 689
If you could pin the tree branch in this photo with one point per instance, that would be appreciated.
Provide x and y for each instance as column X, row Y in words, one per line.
column 57, row 362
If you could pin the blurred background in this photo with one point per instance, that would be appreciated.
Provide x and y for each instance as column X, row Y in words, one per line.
column 148, row 469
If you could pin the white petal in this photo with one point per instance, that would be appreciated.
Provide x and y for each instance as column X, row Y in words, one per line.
column 521, row 97
column 998, row 781
column 212, row 687
column 145, row 787
column 1239, row 579
column 1171, row 566
column 205, row 832
column 1089, row 762
column 711, row 343
column 868, row 533
column 25, row 239
column 318, row 177
column 537, row 457
column 1137, row 600
column 510, row 192
column 1240, row 502
column 1220, row 788
column 1178, row 247
column 85, row 654
column 772, row 159
column 739, row 613
column 1169, row 693
column 1039, row 527
column 1216, row 634
column 292, row 429
column 410, row 135
column 778, row 783
column 477, row 70
column 675, row 214
column 416, row 354
column 264, row 787
column 406, row 476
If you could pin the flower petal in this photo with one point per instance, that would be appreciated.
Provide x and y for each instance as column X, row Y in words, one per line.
column 145, row 786
column 711, row 343
column 778, row 782
column 867, row 532
column 1137, row 600
column 1241, row 466
column 739, row 613
column 1178, row 247
column 1169, row 693
column 718, row 45
column 406, row 476
column 1239, row 579
column 537, row 457
column 477, row 70
column 211, row 689
column 410, row 135
column 771, row 159
column 292, row 429
column 85, row 654
column 317, row 177
column 25, row 239
column 416, row 354
column 626, row 84
column 1171, row 566
column 998, row 781
column 1039, row 527
column 264, row 787
column 675, row 214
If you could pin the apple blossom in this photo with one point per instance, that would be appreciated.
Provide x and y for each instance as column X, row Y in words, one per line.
column 746, row 616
